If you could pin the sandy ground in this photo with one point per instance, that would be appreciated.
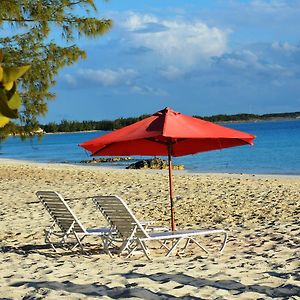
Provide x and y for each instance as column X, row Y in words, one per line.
column 261, row 213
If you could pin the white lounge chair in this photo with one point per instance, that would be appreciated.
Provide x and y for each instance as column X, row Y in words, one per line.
column 134, row 235
column 65, row 223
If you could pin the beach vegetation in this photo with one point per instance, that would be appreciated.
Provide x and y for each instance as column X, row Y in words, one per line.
column 108, row 125
column 10, row 99
column 43, row 34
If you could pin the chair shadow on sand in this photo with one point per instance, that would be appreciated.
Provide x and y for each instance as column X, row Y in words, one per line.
column 133, row 290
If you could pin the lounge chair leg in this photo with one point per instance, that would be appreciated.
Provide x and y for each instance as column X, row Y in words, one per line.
column 79, row 240
column 224, row 242
column 106, row 243
column 164, row 245
column 47, row 239
column 48, row 233
column 199, row 245
column 182, row 250
column 173, row 247
column 127, row 242
column 125, row 246
column 130, row 251
column 145, row 249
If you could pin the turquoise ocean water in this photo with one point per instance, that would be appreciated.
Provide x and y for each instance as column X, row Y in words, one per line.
column 276, row 150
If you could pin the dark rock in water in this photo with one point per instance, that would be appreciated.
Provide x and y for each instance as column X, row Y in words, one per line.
column 105, row 159
column 153, row 163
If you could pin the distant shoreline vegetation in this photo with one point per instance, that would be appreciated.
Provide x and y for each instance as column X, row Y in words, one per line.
column 107, row 125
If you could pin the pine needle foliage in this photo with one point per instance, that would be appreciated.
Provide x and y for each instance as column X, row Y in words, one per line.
column 43, row 34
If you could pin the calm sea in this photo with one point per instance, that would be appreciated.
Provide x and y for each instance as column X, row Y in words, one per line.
column 276, row 150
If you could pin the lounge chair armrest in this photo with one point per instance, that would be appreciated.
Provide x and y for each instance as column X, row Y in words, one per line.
column 146, row 223
column 149, row 226
column 157, row 228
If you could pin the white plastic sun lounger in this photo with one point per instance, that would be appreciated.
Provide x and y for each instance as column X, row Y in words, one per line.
column 65, row 223
column 134, row 235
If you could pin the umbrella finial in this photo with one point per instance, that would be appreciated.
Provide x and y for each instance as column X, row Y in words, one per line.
column 167, row 110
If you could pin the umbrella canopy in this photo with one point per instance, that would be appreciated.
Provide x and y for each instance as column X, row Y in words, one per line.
column 167, row 133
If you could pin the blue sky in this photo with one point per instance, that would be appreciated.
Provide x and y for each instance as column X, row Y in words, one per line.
column 200, row 57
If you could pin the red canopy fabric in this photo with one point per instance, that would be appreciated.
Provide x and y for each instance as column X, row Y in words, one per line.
column 151, row 136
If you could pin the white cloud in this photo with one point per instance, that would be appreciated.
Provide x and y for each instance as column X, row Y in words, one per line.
column 252, row 65
column 171, row 72
column 268, row 4
column 147, row 90
column 69, row 79
column 108, row 77
column 286, row 47
column 175, row 40
column 136, row 22
column 123, row 80
column 271, row 6
column 103, row 77
column 240, row 60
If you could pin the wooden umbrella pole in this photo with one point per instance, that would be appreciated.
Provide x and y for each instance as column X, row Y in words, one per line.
column 173, row 225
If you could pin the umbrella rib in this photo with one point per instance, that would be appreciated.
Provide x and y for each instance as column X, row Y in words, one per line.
column 164, row 143
column 149, row 139
column 105, row 147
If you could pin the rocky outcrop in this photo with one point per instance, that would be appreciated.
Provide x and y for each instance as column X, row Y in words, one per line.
column 105, row 160
column 153, row 163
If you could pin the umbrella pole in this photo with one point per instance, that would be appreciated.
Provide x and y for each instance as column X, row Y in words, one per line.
column 173, row 225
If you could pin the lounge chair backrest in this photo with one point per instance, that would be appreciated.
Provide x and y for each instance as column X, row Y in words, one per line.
column 60, row 211
column 120, row 217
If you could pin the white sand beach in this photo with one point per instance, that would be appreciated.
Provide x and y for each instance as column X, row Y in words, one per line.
column 261, row 214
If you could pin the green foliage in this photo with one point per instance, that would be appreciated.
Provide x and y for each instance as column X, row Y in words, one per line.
column 31, row 23
column 232, row 118
column 251, row 117
column 10, row 99
column 72, row 126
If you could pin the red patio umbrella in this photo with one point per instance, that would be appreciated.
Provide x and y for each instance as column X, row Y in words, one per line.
column 167, row 133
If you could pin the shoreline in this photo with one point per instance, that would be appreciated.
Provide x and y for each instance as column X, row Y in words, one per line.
column 66, row 132
column 176, row 172
column 112, row 168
